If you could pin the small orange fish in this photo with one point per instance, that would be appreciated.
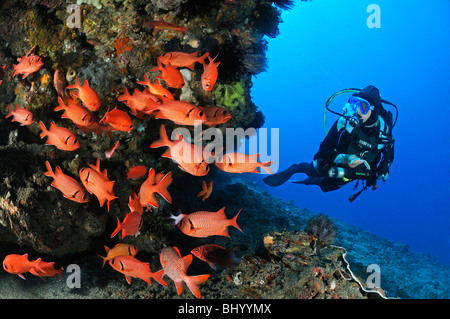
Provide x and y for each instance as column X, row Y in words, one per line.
column 21, row 115
column 118, row 119
column 170, row 75
column 189, row 157
column 59, row 82
column 110, row 150
column 19, row 264
column 136, row 172
column 216, row 255
column 70, row 188
column 134, row 203
column 86, row 94
column 203, row 223
column 180, row 112
column 175, row 267
column 162, row 25
column 119, row 250
column 48, row 269
column 96, row 128
column 156, row 88
column 98, row 183
column 61, row 137
column 131, row 267
column 242, row 163
column 27, row 65
column 75, row 112
column 182, row 59
column 130, row 225
column 152, row 186
column 139, row 103
column 210, row 74
column 216, row 115
column 3, row 70
column 206, row 190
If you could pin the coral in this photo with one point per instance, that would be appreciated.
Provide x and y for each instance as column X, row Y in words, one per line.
column 322, row 230
column 96, row 3
column 266, row 19
column 230, row 95
column 42, row 32
column 168, row 4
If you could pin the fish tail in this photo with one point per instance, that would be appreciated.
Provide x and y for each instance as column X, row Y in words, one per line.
column 158, row 277
column 49, row 171
column 74, row 86
column 125, row 96
column 119, row 228
column 10, row 113
column 202, row 58
column 265, row 166
column 162, row 187
column 233, row 221
column 104, row 260
column 35, row 267
column 163, row 140
column 44, row 130
column 193, row 281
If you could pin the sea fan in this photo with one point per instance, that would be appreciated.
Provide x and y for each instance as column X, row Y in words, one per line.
column 322, row 230
column 284, row 4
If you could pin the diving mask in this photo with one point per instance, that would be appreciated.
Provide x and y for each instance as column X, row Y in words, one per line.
column 363, row 105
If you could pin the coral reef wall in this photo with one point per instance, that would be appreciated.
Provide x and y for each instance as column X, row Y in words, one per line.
column 112, row 44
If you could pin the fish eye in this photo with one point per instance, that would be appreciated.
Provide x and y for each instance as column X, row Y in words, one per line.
column 197, row 250
column 225, row 112
column 131, row 126
column 75, row 141
column 201, row 113
column 83, row 197
column 207, row 85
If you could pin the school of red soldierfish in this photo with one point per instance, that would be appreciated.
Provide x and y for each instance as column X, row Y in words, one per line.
column 158, row 101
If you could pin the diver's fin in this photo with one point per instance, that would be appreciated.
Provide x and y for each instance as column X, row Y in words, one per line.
column 281, row 177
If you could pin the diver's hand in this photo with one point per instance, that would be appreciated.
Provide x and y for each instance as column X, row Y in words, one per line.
column 351, row 160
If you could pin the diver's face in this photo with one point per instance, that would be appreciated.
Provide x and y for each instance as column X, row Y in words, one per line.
column 364, row 117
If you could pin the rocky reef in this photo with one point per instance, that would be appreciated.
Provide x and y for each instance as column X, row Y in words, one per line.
column 113, row 44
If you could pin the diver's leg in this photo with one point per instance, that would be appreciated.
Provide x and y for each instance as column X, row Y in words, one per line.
column 281, row 177
column 326, row 184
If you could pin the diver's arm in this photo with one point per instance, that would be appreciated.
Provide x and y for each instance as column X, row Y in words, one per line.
column 328, row 149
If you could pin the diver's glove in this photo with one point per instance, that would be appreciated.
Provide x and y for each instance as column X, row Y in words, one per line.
column 351, row 160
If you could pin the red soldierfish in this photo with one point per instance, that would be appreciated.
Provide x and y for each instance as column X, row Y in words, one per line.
column 48, row 269
column 242, row 163
column 98, row 183
column 70, row 188
column 27, row 65
column 176, row 267
column 203, row 224
column 162, row 25
column 130, row 225
column 136, row 172
column 180, row 112
column 21, row 115
column 216, row 115
column 77, row 113
column 152, row 186
column 119, row 250
column 170, row 75
column 118, row 119
column 140, row 104
column 19, row 264
column 181, row 59
column 216, row 255
column 210, row 74
column 59, row 82
column 156, row 88
column 131, row 267
column 189, row 157
column 3, row 72
column 61, row 137
column 86, row 94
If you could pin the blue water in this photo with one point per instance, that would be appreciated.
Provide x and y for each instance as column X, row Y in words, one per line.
column 325, row 46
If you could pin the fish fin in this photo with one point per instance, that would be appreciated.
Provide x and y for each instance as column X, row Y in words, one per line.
column 128, row 279
column 163, row 140
column 178, row 251
column 21, row 276
column 179, row 286
column 233, row 221
column 221, row 213
column 176, row 219
column 162, row 187
column 74, row 86
column 158, row 277
column 118, row 228
column 10, row 113
column 265, row 166
column 49, row 172
column 193, row 281
column 44, row 130
column 104, row 259
column 187, row 260
column 61, row 105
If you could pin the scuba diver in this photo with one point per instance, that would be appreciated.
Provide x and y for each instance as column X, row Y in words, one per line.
column 358, row 146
